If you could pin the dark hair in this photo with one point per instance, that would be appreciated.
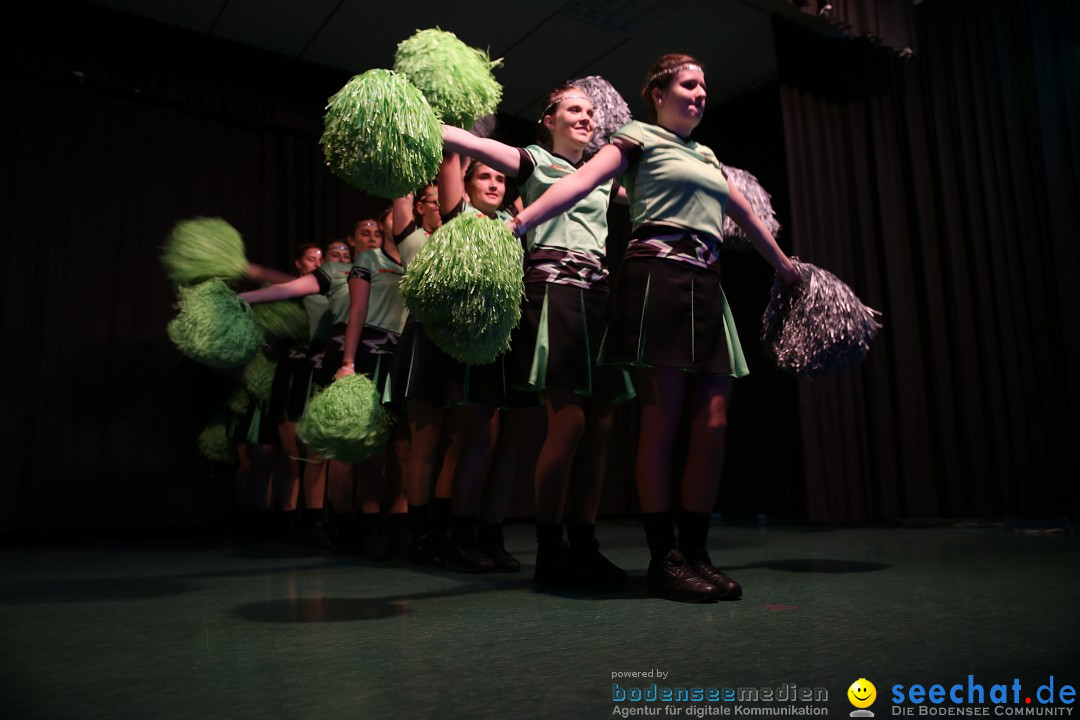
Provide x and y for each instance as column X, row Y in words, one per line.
column 508, row 196
column 356, row 226
column 418, row 197
column 551, row 104
column 302, row 250
column 660, row 76
column 335, row 241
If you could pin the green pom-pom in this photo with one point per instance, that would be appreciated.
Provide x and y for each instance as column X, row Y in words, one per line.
column 455, row 78
column 214, row 443
column 204, row 248
column 285, row 320
column 345, row 421
column 259, row 377
column 239, row 400
column 214, row 326
column 380, row 135
column 465, row 286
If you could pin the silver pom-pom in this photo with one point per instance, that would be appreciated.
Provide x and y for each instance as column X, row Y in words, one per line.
column 819, row 327
column 484, row 127
column 760, row 202
column 610, row 111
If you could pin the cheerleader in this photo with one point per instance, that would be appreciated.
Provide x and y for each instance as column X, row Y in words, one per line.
column 376, row 319
column 430, row 385
column 670, row 319
column 326, row 300
column 553, row 350
column 288, row 397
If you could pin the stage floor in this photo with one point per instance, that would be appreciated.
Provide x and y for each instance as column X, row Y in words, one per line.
column 209, row 628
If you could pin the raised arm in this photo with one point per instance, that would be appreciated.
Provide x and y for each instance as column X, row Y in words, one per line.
column 359, row 294
column 297, row 287
column 738, row 208
column 451, row 182
column 403, row 212
column 492, row 153
column 561, row 196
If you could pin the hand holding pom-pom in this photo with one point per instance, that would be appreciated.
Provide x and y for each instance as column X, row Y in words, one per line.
column 346, row 421
column 816, row 326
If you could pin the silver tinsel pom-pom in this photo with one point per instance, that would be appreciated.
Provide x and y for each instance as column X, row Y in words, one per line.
column 484, row 127
column 819, row 327
column 610, row 111
column 760, row 202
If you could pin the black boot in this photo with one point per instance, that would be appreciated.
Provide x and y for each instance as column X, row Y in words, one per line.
column 672, row 578
column 318, row 532
column 422, row 551
column 550, row 555
column 376, row 544
column 726, row 588
column 493, row 544
column 693, row 535
column 586, row 565
column 463, row 554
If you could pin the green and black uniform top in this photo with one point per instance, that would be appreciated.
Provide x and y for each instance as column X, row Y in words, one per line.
column 319, row 318
column 333, row 281
column 385, row 309
column 569, row 249
column 678, row 195
column 409, row 242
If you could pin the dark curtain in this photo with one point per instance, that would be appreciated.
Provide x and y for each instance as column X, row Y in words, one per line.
column 944, row 190
column 888, row 22
column 112, row 130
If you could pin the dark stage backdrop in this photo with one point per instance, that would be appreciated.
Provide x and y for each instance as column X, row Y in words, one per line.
column 944, row 190
column 113, row 128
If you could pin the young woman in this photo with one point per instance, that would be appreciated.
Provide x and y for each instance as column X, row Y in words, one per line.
column 554, row 348
column 432, row 385
column 376, row 318
column 288, row 397
column 326, row 300
column 670, row 319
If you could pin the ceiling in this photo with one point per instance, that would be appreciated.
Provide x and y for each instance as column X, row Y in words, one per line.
column 541, row 42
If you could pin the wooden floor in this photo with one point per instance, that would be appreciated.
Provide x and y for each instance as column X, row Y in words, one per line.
column 202, row 627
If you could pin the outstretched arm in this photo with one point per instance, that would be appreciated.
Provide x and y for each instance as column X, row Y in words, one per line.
column 738, row 208
column 260, row 274
column 297, row 287
column 561, row 196
column 492, row 153
column 359, row 293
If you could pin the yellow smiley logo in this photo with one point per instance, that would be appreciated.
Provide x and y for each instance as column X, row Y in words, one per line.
column 862, row 693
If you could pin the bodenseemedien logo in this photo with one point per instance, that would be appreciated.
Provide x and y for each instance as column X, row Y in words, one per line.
column 862, row 694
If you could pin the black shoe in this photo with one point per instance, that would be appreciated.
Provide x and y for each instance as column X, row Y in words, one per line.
column 551, row 565
column 400, row 542
column 292, row 533
column 672, row 578
column 376, row 547
column 726, row 588
column 467, row 557
column 588, row 566
column 321, row 538
column 504, row 561
column 425, row 552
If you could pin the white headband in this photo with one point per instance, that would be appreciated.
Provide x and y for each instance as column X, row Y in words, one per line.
column 673, row 70
column 558, row 100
